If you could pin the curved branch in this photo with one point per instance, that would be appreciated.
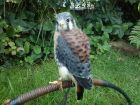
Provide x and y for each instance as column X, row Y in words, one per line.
column 54, row 87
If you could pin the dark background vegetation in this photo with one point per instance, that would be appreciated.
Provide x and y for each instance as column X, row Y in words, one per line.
column 27, row 27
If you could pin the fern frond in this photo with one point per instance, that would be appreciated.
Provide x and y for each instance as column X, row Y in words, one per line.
column 135, row 35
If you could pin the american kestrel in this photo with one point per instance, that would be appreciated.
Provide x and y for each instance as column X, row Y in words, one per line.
column 72, row 49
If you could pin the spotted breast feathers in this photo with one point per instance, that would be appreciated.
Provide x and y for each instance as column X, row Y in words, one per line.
column 78, row 42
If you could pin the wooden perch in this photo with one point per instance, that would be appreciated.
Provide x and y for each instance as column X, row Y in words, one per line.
column 20, row 100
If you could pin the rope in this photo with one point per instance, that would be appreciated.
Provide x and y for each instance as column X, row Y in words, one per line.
column 24, row 98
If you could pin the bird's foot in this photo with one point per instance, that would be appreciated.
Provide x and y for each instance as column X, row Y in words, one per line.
column 59, row 83
column 6, row 101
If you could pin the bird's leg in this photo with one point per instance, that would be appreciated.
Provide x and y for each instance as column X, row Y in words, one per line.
column 58, row 82
column 65, row 97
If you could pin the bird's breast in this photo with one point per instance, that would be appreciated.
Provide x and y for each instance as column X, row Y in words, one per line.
column 64, row 72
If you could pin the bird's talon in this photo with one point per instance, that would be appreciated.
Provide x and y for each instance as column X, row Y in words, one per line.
column 59, row 82
column 6, row 101
column 53, row 82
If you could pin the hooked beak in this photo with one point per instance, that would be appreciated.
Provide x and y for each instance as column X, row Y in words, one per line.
column 61, row 23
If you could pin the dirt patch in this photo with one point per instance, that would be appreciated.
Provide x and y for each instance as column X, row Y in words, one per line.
column 125, row 47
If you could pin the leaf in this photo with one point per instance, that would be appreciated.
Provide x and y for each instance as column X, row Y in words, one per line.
column 48, row 26
column 3, row 24
column 14, row 52
column 11, row 44
column 29, row 59
column 117, row 30
column 46, row 50
column 107, row 29
column 27, row 47
column 13, row 47
column 92, row 56
column 32, row 38
column 18, row 29
column 24, row 25
column 139, row 7
column 10, row 31
column 88, row 29
column 125, row 27
column 37, row 49
column 20, row 49
column 105, row 36
column 98, row 26
column 2, row 35
column 19, row 42
column 120, row 33
column 35, row 56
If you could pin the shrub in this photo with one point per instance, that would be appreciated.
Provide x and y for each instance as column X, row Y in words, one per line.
column 26, row 29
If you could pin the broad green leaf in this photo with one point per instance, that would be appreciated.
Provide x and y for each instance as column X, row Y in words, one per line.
column 139, row 7
column 14, row 52
column 24, row 25
column 10, row 31
column 125, row 27
column 3, row 23
column 35, row 56
column 32, row 38
column 46, row 50
column 105, row 36
column 13, row 47
column 20, row 49
column 27, row 47
column 18, row 29
column 88, row 29
column 29, row 59
column 98, row 26
column 19, row 42
column 37, row 49
column 6, row 51
column 48, row 26
column 107, row 29
column 120, row 33
column 11, row 44
column 2, row 35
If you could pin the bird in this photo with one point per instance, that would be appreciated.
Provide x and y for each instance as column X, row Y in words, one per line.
column 71, row 52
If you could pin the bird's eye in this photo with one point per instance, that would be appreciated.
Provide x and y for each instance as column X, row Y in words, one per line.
column 68, row 20
column 56, row 22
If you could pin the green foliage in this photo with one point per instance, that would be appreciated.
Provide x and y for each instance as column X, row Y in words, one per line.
column 27, row 26
column 26, row 29
column 139, row 7
column 135, row 35
column 99, row 43
column 110, row 15
column 103, row 24
column 132, row 1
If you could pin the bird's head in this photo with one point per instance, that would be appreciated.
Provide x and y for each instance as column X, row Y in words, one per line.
column 65, row 22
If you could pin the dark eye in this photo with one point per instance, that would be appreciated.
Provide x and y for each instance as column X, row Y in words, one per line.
column 68, row 20
column 56, row 22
